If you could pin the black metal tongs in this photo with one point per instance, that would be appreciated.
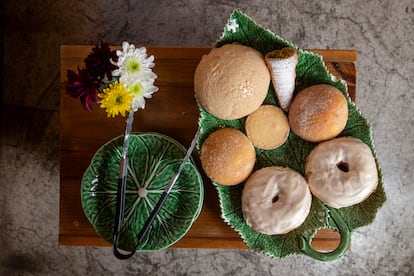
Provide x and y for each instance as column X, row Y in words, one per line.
column 120, row 204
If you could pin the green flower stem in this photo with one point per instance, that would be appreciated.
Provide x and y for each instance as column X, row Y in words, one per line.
column 306, row 247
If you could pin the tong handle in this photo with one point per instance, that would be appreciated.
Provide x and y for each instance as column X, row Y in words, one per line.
column 143, row 231
column 120, row 205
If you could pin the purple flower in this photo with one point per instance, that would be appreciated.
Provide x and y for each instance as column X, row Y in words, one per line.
column 84, row 86
column 98, row 61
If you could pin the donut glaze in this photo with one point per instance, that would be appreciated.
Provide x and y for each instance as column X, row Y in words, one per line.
column 341, row 172
column 275, row 200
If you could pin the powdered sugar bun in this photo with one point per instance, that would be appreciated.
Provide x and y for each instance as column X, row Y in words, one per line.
column 275, row 200
column 341, row 172
column 227, row 156
column 318, row 113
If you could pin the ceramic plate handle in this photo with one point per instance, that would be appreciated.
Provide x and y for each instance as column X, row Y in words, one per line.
column 306, row 247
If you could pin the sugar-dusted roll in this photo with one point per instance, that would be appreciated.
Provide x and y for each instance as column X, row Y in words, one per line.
column 318, row 113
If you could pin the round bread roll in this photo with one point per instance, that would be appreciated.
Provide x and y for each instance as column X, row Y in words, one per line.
column 227, row 156
column 341, row 172
column 275, row 200
column 267, row 127
column 318, row 113
column 231, row 81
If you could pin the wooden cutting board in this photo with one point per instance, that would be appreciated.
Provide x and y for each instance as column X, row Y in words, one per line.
column 171, row 111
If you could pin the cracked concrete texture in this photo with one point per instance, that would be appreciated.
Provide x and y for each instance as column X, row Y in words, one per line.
column 381, row 32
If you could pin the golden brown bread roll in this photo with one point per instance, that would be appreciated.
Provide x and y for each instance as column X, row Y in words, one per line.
column 267, row 127
column 227, row 156
column 318, row 113
column 231, row 81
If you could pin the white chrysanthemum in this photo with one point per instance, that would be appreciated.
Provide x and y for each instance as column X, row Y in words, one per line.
column 141, row 90
column 133, row 65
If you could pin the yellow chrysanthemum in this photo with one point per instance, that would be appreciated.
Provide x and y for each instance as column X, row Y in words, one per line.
column 116, row 99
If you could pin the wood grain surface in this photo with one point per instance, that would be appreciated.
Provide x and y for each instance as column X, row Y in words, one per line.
column 173, row 112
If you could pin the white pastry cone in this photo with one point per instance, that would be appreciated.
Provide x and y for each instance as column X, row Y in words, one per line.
column 282, row 65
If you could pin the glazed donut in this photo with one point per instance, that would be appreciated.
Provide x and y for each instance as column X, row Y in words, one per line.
column 341, row 172
column 275, row 200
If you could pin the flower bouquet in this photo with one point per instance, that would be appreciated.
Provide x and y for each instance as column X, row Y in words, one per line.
column 118, row 81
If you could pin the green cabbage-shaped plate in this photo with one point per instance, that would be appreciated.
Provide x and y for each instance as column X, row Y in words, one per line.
column 310, row 70
column 152, row 160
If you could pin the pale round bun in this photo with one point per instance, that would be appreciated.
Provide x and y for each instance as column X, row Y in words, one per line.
column 275, row 200
column 227, row 156
column 318, row 113
column 341, row 172
column 267, row 127
column 231, row 81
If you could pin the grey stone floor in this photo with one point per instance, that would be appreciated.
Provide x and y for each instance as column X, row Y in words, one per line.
column 381, row 31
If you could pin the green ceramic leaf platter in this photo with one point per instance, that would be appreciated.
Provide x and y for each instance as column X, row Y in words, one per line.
column 152, row 160
column 310, row 70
